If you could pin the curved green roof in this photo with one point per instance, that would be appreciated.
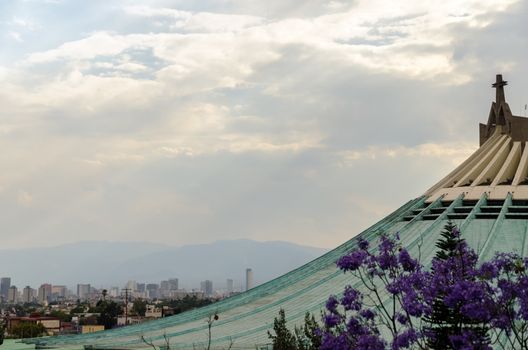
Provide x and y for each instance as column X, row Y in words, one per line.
column 246, row 318
column 486, row 196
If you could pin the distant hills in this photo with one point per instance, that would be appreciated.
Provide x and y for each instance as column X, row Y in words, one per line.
column 105, row 264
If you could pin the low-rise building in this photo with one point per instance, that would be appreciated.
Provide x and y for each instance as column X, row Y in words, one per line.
column 122, row 320
column 52, row 324
column 91, row 328
column 153, row 311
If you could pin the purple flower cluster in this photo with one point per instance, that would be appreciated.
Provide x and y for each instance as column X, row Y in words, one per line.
column 350, row 324
column 459, row 303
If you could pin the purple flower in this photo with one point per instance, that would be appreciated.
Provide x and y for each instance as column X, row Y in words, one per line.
column 363, row 244
column 332, row 320
column 351, row 299
column 488, row 270
column 331, row 304
column 387, row 260
column 386, row 244
column 332, row 342
column 352, row 261
column 405, row 260
column 401, row 318
column 367, row 314
column 404, row 340
column 412, row 304
column 370, row 342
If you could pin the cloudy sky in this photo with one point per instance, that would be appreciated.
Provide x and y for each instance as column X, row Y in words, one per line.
column 192, row 121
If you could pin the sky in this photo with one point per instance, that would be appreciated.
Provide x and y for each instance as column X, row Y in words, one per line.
column 184, row 122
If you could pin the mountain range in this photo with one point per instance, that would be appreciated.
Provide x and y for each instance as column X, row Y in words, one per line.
column 106, row 264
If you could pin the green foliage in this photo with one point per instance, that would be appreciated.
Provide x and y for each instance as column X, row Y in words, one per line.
column 2, row 332
column 305, row 337
column 445, row 321
column 108, row 312
column 283, row 339
column 79, row 309
column 448, row 242
column 308, row 335
column 28, row 330
column 139, row 307
column 88, row 321
column 186, row 303
column 64, row 317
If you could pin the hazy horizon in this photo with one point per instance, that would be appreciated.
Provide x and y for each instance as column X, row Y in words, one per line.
column 108, row 264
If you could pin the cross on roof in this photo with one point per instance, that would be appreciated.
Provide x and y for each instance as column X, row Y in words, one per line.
column 499, row 86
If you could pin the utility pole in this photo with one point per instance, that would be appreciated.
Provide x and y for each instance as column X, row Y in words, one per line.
column 126, row 305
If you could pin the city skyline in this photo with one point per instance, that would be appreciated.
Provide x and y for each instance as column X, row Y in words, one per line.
column 81, row 289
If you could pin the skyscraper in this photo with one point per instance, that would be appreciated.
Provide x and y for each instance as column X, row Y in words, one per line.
column 249, row 279
column 229, row 288
column 12, row 295
column 5, row 283
column 173, row 284
column 207, row 287
column 44, row 293
column 164, row 285
column 58, row 292
column 113, row 292
column 132, row 285
column 152, row 290
column 83, row 291
column 27, row 294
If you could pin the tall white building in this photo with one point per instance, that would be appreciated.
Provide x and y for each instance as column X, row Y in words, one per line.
column 249, row 279
column 27, row 294
column 114, row 292
column 83, row 291
column 173, row 283
column 132, row 286
column 207, row 287
column 58, row 292
column 229, row 286
column 12, row 295
column 44, row 293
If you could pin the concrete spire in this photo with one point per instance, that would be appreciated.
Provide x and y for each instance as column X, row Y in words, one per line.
column 500, row 165
column 499, row 86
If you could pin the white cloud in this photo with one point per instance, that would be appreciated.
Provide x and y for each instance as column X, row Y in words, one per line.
column 15, row 36
column 197, row 22
column 97, row 44
column 456, row 152
column 239, row 124
column 23, row 23
column 25, row 199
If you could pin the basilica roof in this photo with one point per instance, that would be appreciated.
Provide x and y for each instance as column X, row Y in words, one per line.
column 500, row 166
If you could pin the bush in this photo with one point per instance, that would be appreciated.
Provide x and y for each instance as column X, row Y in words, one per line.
column 28, row 330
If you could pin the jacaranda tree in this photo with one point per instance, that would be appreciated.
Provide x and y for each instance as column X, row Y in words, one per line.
column 456, row 303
